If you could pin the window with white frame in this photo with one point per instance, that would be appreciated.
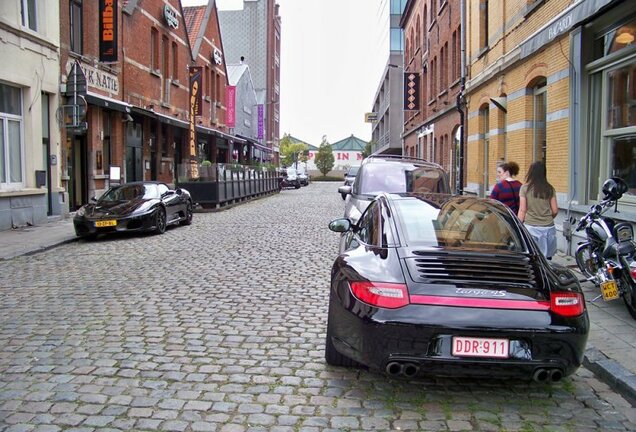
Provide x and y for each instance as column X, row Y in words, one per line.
column 612, row 109
column 29, row 14
column 11, row 174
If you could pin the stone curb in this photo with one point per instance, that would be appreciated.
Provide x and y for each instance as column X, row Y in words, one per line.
column 612, row 373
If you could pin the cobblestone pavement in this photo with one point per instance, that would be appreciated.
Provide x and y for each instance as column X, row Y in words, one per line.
column 220, row 326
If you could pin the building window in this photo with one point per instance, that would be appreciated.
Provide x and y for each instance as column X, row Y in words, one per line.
column 165, row 56
column 10, row 137
column 29, row 14
column 218, row 88
column 484, row 131
column 483, row 23
column 433, row 78
column 106, row 157
column 454, row 57
column 423, row 81
column 76, row 26
column 212, row 85
column 539, row 106
column 396, row 39
column 154, row 50
column 175, row 62
column 425, row 18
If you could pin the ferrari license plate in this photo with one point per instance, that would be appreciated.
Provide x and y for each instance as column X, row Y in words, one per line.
column 609, row 289
column 480, row 347
column 105, row 223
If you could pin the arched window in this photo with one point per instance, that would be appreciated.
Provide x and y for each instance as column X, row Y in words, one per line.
column 484, row 137
column 539, row 116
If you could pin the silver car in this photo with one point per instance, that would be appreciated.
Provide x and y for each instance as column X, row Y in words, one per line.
column 349, row 177
column 391, row 174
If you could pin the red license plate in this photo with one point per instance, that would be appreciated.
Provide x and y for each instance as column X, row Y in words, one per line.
column 480, row 347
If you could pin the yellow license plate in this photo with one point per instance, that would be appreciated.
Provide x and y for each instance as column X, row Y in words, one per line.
column 609, row 289
column 105, row 223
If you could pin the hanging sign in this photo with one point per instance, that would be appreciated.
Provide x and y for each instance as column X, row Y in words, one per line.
column 230, row 105
column 108, row 31
column 411, row 91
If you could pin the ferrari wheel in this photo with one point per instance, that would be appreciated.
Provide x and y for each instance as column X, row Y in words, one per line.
column 188, row 214
column 160, row 221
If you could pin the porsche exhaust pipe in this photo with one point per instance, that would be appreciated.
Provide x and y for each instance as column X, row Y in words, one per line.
column 541, row 375
column 409, row 370
column 556, row 375
column 394, row 368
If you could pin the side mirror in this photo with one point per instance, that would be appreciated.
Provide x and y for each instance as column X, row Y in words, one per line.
column 93, row 199
column 178, row 191
column 340, row 225
column 344, row 190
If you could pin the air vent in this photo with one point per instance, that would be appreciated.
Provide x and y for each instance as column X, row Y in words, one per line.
column 464, row 269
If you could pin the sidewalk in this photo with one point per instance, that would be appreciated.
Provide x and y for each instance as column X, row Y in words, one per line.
column 611, row 347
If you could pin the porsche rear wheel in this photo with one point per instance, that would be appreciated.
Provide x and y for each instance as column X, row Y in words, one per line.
column 160, row 221
column 332, row 356
column 188, row 214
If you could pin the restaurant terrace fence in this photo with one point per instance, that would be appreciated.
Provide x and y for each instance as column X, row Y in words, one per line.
column 218, row 185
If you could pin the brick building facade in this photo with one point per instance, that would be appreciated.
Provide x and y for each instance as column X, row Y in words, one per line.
column 432, row 58
column 552, row 80
column 133, row 114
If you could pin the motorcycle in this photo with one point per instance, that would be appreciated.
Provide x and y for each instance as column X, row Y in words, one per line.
column 608, row 256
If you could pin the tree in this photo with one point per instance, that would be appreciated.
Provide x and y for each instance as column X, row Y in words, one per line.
column 289, row 150
column 324, row 157
column 368, row 149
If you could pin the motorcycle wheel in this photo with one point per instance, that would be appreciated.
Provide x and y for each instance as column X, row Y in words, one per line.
column 585, row 260
column 629, row 294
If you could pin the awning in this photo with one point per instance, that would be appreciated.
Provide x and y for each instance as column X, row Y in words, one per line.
column 163, row 118
column 563, row 22
column 106, row 102
column 223, row 135
column 172, row 121
column 255, row 143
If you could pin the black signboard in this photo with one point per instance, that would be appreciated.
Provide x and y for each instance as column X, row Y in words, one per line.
column 108, row 31
column 411, row 91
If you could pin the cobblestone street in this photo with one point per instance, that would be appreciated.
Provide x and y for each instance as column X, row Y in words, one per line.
column 220, row 326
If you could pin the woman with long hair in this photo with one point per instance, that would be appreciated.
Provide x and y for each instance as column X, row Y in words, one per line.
column 507, row 188
column 538, row 208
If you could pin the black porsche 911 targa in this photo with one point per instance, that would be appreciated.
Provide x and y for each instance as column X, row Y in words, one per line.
column 451, row 286
column 137, row 206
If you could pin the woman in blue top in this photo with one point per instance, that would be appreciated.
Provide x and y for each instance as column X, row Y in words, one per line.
column 507, row 188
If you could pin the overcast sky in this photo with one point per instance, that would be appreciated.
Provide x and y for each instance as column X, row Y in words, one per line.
column 332, row 56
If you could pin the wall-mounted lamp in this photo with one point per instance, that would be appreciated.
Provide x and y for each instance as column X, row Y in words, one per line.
column 127, row 118
column 624, row 36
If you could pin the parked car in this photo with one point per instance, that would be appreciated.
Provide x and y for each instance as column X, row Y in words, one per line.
column 451, row 286
column 391, row 174
column 137, row 206
column 303, row 176
column 349, row 177
column 289, row 179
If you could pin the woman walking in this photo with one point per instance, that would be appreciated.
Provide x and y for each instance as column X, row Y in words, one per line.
column 538, row 208
column 507, row 188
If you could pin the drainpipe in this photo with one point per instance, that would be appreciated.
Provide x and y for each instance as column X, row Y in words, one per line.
column 461, row 100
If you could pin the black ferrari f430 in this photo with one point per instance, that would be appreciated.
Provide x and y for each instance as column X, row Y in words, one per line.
column 451, row 286
column 136, row 206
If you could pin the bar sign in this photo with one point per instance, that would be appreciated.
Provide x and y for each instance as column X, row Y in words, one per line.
column 107, row 31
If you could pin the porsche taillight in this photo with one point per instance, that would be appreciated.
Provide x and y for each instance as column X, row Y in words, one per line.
column 381, row 294
column 567, row 304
